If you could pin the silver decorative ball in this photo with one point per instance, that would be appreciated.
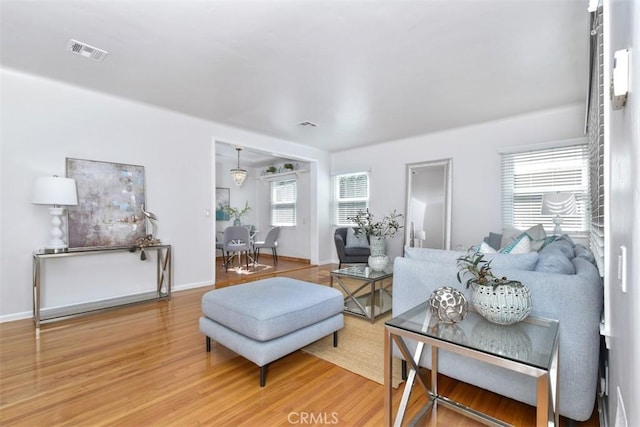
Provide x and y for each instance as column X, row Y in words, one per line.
column 448, row 304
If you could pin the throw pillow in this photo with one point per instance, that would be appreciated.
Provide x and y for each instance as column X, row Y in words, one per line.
column 494, row 240
column 486, row 248
column 509, row 235
column 353, row 241
column 521, row 245
column 537, row 232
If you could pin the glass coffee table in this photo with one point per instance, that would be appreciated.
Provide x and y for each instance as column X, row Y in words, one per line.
column 529, row 347
column 367, row 292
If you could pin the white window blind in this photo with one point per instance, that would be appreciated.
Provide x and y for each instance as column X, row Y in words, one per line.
column 595, row 131
column 527, row 176
column 351, row 194
column 283, row 202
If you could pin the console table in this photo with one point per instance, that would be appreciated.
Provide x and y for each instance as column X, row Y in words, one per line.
column 162, row 292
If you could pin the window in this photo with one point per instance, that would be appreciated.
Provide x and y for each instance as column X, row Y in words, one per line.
column 283, row 203
column 351, row 194
column 528, row 175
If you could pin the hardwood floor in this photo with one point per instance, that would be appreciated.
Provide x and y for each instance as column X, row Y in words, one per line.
column 146, row 365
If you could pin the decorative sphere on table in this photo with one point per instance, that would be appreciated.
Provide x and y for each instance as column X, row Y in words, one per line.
column 448, row 304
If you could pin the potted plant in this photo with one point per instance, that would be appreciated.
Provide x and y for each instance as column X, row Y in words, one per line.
column 271, row 169
column 288, row 166
column 497, row 299
column 236, row 213
column 387, row 227
column 377, row 231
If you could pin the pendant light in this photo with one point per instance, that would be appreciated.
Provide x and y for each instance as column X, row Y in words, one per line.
column 238, row 175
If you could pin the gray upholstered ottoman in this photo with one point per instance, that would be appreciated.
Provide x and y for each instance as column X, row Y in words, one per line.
column 268, row 319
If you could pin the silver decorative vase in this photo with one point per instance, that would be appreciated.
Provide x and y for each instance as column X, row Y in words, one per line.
column 448, row 305
column 377, row 245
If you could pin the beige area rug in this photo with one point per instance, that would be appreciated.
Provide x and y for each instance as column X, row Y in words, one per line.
column 360, row 349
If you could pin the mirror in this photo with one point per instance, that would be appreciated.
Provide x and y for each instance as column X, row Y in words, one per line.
column 428, row 208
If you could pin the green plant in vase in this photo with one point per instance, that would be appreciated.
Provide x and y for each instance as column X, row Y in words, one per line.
column 377, row 232
column 497, row 299
column 236, row 213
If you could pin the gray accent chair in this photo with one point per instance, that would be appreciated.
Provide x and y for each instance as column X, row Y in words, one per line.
column 270, row 242
column 349, row 255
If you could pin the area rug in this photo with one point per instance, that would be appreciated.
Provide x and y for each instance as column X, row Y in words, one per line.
column 360, row 349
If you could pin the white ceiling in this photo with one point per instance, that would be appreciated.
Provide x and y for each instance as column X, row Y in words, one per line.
column 363, row 71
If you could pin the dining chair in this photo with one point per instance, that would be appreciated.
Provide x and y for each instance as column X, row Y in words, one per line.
column 220, row 244
column 271, row 241
column 236, row 240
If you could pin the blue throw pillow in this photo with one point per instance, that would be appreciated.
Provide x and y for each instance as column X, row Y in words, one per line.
column 353, row 241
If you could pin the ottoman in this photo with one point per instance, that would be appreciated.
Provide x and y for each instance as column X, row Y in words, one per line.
column 268, row 319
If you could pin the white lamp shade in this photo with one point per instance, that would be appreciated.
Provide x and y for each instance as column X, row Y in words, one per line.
column 558, row 204
column 55, row 190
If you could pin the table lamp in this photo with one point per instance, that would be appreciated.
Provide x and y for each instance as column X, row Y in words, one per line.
column 58, row 192
column 558, row 204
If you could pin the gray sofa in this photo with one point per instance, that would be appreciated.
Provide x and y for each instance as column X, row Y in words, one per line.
column 574, row 299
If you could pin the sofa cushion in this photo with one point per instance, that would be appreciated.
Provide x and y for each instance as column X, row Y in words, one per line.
column 357, row 251
column 583, row 252
column 562, row 245
column 554, row 260
column 506, row 261
column 356, row 241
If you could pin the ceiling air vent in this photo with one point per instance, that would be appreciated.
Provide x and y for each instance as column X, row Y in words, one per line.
column 307, row 123
column 86, row 50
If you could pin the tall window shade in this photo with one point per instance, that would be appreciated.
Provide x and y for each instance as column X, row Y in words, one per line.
column 527, row 176
column 595, row 133
column 351, row 194
column 283, row 202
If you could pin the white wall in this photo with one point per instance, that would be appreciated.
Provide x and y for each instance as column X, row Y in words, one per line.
column 476, row 192
column 44, row 121
column 622, row 30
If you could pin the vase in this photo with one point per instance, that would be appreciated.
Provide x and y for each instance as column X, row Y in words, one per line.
column 505, row 304
column 377, row 245
column 378, row 262
column 236, row 222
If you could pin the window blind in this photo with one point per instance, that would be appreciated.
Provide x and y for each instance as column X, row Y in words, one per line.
column 351, row 195
column 595, row 133
column 283, row 202
column 527, row 176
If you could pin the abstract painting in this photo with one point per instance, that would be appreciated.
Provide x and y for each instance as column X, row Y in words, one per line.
column 222, row 201
column 110, row 198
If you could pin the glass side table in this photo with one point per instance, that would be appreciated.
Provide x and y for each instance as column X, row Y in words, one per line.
column 529, row 347
column 371, row 297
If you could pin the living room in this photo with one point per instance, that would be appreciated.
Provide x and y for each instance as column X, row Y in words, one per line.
column 46, row 120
